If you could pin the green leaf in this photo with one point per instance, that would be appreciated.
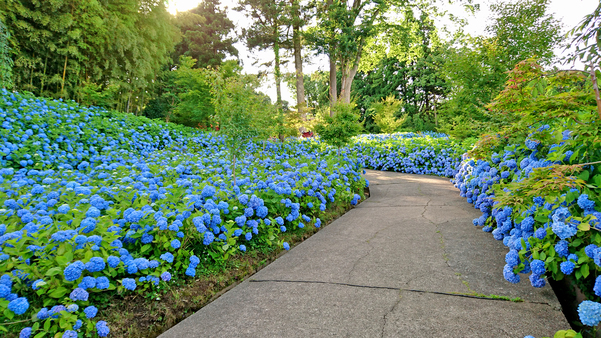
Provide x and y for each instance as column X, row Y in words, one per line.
column 63, row 260
column 47, row 324
column 584, row 175
column 54, row 271
column 597, row 180
column 584, row 227
column 9, row 314
column 58, row 292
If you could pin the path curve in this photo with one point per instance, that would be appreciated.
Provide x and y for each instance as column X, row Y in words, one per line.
column 404, row 263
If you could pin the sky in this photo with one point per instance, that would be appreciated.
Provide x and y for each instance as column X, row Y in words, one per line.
column 568, row 12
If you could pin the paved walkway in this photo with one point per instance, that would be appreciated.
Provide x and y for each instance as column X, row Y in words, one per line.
column 397, row 265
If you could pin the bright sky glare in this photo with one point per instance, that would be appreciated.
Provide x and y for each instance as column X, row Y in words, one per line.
column 569, row 12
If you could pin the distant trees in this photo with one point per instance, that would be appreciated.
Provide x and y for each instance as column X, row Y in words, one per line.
column 6, row 62
column 477, row 70
column 64, row 46
column 206, row 34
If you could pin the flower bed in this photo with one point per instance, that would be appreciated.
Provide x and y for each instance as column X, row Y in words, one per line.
column 541, row 199
column 119, row 204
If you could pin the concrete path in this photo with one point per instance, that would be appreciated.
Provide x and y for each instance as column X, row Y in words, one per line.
column 400, row 264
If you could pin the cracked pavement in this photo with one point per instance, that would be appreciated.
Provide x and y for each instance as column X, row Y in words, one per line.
column 407, row 262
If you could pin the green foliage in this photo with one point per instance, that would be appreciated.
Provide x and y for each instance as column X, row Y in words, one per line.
column 195, row 107
column 338, row 130
column 60, row 46
column 476, row 71
column 92, row 94
column 241, row 113
column 6, row 62
column 524, row 30
column 385, row 114
column 587, row 51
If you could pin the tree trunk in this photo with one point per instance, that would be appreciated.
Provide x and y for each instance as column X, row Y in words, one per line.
column 277, row 74
column 128, row 103
column 349, row 70
column 298, row 60
column 43, row 77
column 64, row 73
column 278, row 78
column 333, row 83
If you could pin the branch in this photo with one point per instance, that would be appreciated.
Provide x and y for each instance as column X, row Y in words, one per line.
column 20, row 321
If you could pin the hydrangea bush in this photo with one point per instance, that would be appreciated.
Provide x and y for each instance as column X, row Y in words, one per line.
column 412, row 153
column 541, row 198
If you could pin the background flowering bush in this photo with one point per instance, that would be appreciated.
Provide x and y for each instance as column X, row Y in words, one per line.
column 413, row 153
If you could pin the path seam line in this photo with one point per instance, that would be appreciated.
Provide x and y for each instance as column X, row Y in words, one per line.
column 388, row 288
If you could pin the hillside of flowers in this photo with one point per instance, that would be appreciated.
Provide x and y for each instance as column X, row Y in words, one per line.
column 96, row 202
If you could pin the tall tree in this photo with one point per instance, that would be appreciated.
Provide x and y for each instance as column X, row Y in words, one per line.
column 341, row 33
column 268, row 23
column 477, row 71
column 297, row 23
column 523, row 30
column 405, row 61
column 206, row 34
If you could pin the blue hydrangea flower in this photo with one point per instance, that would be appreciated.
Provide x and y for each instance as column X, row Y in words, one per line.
column 19, row 306
column 95, row 264
column 43, row 314
column 286, row 246
column 567, row 267
column 167, row 257
column 88, row 282
column 72, row 308
column 102, row 328
column 90, row 312
column 79, row 294
column 113, row 261
column 563, row 230
column 129, row 283
column 509, row 275
column 166, row 276
column 538, row 267
column 242, row 247
column 25, row 333
column 69, row 334
column 190, row 271
column 589, row 313
column 562, row 248
column 597, row 287
column 102, row 283
column 512, row 258
column 208, row 238
column 590, row 250
column 585, row 203
column 537, row 281
column 175, row 244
